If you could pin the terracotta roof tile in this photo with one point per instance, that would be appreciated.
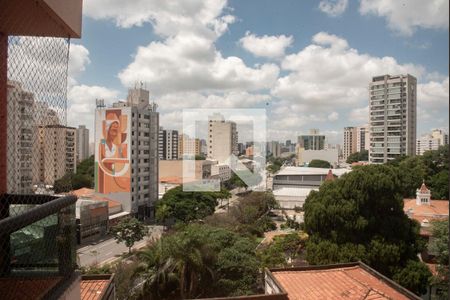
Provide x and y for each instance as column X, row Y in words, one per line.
column 31, row 288
column 424, row 189
column 338, row 283
column 91, row 289
column 438, row 209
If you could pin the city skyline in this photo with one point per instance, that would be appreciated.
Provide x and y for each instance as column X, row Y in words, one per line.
column 226, row 63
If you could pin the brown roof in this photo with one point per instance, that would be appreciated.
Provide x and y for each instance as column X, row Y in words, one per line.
column 349, row 281
column 30, row 288
column 93, row 287
column 176, row 180
column 330, row 176
column 438, row 209
column 90, row 194
column 83, row 192
column 423, row 188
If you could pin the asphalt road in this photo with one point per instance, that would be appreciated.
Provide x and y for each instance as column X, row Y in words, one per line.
column 108, row 250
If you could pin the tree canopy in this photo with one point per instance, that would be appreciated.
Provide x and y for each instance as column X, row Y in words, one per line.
column 184, row 206
column 318, row 163
column 360, row 217
column 130, row 231
column 358, row 156
column 438, row 245
column 84, row 177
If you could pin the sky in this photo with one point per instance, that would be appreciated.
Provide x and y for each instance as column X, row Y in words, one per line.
column 307, row 63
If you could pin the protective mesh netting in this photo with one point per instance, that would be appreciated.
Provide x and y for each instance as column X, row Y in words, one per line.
column 40, row 151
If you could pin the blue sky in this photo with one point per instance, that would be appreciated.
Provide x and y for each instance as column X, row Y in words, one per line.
column 307, row 62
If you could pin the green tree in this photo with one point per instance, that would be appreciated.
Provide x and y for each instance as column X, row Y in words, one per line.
column 415, row 277
column 184, row 206
column 438, row 184
column 283, row 249
column 436, row 160
column 318, row 163
column 200, row 157
column 438, row 245
column 412, row 173
column 84, row 177
column 358, row 156
column 129, row 230
column 360, row 216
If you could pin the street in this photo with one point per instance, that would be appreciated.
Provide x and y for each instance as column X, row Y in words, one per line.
column 108, row 250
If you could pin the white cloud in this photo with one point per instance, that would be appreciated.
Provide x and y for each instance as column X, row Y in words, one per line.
column 78, row 60
column 406, row 16
column 433, row 95
column 333, row 8
column 266, row 46
column 334, row 116
column 359, row 115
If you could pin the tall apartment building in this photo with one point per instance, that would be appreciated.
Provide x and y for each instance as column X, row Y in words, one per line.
column 393, row 103
column 362, row 138
column 431, row 141
column 350, row 138
column 126, row 153
column 188, row 147
column 82, row 143
column 167, row 144
column 222, row 138
column 22, row 138
column 313, row 141
column 55, row 163
column 274, row 148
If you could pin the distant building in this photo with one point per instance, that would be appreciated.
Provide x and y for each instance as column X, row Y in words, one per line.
column 393, row 117
column 222, row 138
column 241, row 148
column 274, row 149
column 431, row 141
column 312, row 141
column 82, row 143
column 55, row 163
column 249, row 151
column 168, row 144
column 221, row 172
column 304, row 157
column 362, row 138
column 189, row 147
column 350, row 137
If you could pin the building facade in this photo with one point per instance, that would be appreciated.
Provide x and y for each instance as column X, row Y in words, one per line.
column 222, row 138
column 55, row 163
column 362, row 138
column 431, row 141
column 274, row 149
column 126, row 153
column 350, row 139
column 188, row 147
column 312, row 141
column 393, row 119
column 168, row 144
column 82, row 143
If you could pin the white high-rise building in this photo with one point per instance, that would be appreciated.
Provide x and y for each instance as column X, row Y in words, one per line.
column 274, row 148
column 222, row 138
column 82, row 143
column 393, row 118
column 431, row 141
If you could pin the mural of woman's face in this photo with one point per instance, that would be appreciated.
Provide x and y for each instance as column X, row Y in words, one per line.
column 113, row 131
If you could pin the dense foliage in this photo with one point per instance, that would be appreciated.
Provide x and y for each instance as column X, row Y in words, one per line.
column 360, row 217
column 181, row 206
column 129, row 231
column 249, row 216
column 439, row 246
column 275, row 163
column 199, row 260
column 318, row 163
column 283, row 250
column 358, row 156
column 84, row 177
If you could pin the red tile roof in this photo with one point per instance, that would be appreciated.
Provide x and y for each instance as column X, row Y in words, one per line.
column 330, row 176
column 424, row 189
column 437, row 210
column 349, row 282
column 92, row 289
column 21, row 288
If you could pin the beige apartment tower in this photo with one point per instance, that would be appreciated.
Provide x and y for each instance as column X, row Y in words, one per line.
column 393, row 117
column 222, row 138
column 82, row 143
column 55, row 163
column 188, row 147
column 350, row 138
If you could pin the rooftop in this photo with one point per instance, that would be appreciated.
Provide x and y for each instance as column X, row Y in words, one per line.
column 95, row 287
column 311, row 171
column 438, row 209
column 293, row 191
column 349, row 281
